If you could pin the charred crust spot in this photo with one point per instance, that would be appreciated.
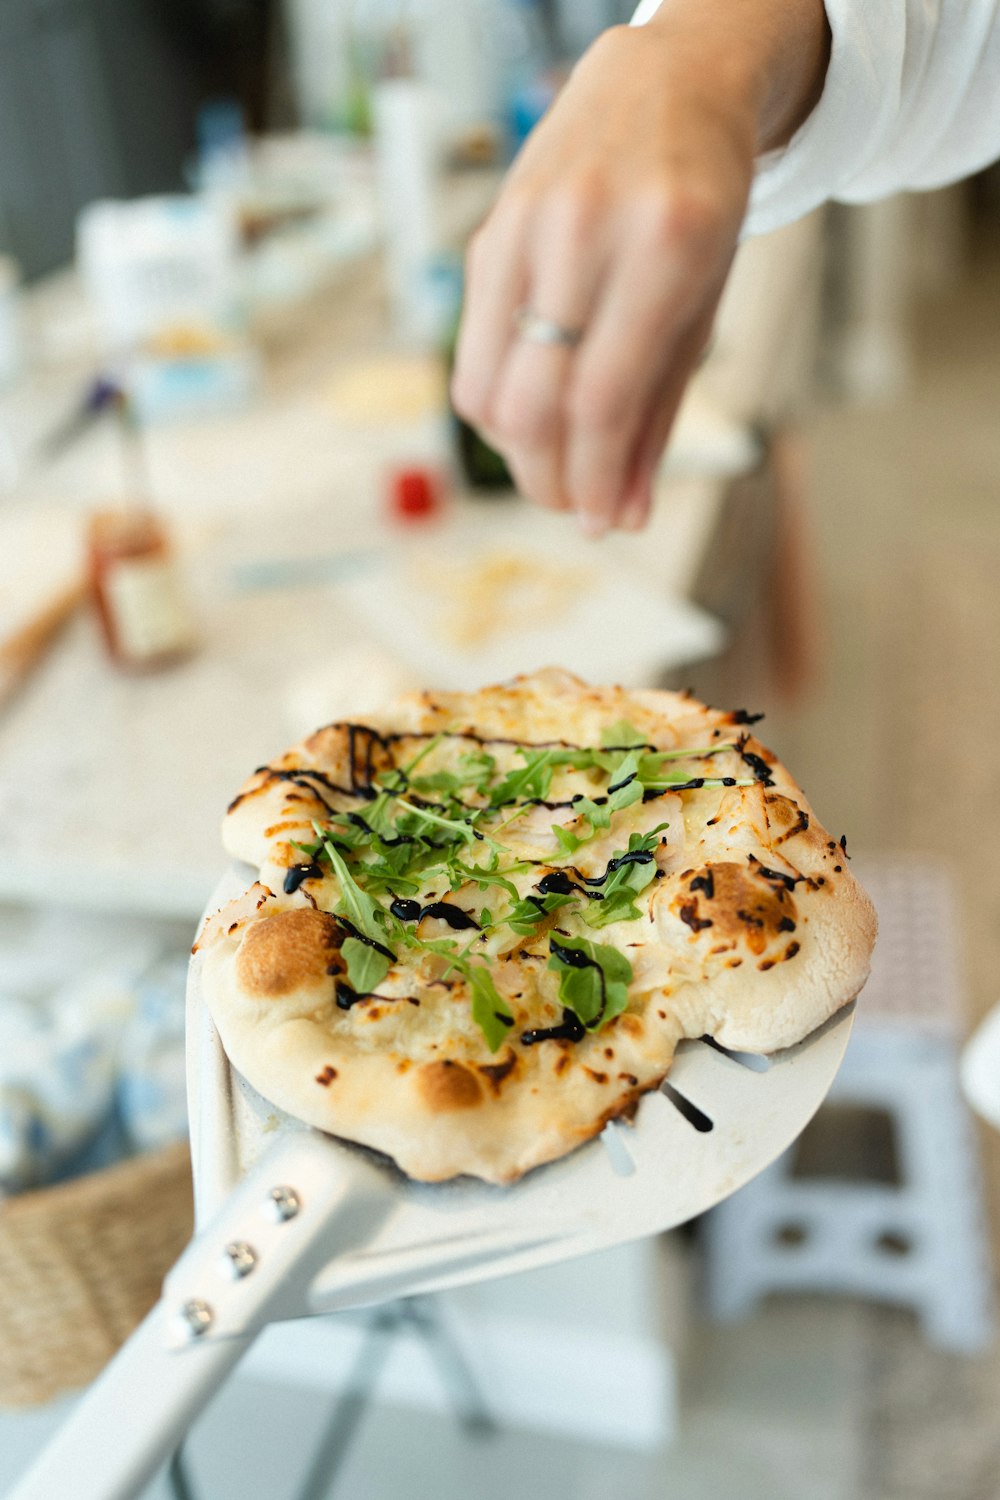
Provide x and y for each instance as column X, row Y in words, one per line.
column 838, row 869
column 741, row 716
column 326, row 1075
column 756, row 759
column 785, row 817
column 448, row 1085
column 495, row 1073
column 597, row 1077
column 688, row 913
column 562, row 1062
column 628, row 1078
column 609, row 1052
column 775, row 877
column 791, row 950
column 767, row 963
column 705, row 881
column 734, row 963
column 749, row 909
column 288, row 951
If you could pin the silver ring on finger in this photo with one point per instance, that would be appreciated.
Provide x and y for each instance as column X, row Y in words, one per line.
column 535, row 329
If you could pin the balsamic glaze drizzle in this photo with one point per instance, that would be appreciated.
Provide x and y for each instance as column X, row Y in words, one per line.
column 570, row 1029
column 363, row 746
column 634, row 857
column 348, row 998
column 368, row 942
column 458, row 920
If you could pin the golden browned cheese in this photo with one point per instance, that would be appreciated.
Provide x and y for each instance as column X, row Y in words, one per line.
column 733, row 904
column 448, row 1085
column 288, row 951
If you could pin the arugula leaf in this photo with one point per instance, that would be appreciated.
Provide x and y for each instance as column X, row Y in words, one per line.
column 593, row 979
column 440, row 781
column 568, row 842
column 475, row 769
column 694, row 753
column 597, row 814
column 483, row 875
column 488, row 1006
column 646, row 841
column 525, row 915
column 459, row 831
column 620, row 890
column 486, row 1002
column 624, row 795
column 366, row 967
column 617, row 736
column 478, row 768
column 354, row 903
column 532, row 780
column 383, row 877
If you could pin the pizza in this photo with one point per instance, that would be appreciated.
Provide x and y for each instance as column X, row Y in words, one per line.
column 483, row 922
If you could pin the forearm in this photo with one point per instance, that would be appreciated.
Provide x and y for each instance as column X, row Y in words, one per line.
column 773, row 53
column 909, row 102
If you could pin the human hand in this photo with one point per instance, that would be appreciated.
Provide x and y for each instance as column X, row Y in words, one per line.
column 616, row 228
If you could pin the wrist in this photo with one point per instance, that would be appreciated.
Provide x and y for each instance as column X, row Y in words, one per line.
column 767, row 56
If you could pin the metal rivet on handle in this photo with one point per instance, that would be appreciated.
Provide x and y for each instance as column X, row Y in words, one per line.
column 239, row 1259
column 282, row 1203
column 197, row 1317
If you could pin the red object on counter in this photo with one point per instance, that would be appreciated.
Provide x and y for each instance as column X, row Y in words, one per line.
column 415, row 494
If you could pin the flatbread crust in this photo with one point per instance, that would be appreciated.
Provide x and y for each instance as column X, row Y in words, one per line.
column 754, row 932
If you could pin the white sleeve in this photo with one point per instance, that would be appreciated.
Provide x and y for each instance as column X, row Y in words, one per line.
column 911, row 100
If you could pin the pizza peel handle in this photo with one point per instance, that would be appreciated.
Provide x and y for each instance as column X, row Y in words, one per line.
column 132, row 1418
column 253, row 1264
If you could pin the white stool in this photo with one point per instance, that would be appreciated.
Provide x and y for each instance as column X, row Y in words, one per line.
column 921, row 1241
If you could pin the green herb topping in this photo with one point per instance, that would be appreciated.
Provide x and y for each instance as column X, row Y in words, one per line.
column 411, row 833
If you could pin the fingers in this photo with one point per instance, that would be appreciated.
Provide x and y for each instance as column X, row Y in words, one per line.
column 637, row 498
column 496, row 284
column 636, row 358
column 528, row 408
column 511, row 385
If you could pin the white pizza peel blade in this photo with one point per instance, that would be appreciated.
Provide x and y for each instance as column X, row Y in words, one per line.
column 292, row 1222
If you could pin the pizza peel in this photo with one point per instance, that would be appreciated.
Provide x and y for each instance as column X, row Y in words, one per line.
column 292, row 1222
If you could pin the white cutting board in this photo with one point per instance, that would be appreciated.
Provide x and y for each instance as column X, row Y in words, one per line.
column 611, row 623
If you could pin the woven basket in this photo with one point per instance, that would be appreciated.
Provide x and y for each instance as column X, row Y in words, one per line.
column 81, row 1264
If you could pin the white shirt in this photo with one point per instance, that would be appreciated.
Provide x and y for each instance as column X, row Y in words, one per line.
column 911, row 100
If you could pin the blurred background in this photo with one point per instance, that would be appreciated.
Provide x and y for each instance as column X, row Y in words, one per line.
column 234, row 504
